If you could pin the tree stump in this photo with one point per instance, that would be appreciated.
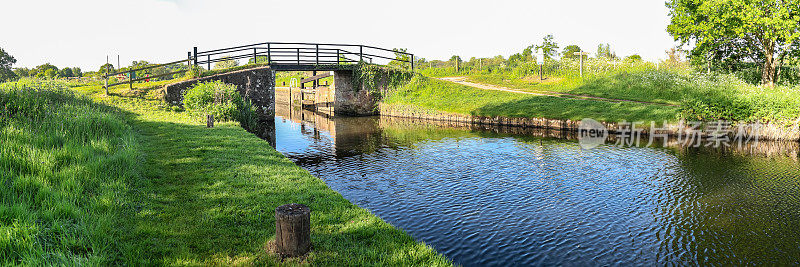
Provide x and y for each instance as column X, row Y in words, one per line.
column 292, row 230
column 209, row 120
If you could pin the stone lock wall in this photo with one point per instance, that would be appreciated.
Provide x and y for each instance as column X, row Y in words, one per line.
column 352, row 101
column 256, row 85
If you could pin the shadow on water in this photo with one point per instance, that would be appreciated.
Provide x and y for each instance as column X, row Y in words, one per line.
column 506, row 195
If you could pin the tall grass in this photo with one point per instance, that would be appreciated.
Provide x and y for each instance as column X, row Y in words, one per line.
column 702, row 96
column 65, row 165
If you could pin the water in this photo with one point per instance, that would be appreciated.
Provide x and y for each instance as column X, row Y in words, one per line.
column 508, row 197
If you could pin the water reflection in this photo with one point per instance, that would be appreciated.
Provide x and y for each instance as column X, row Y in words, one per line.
column 500, row 196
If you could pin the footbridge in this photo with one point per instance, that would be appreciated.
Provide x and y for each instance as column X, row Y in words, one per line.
column 256, row 80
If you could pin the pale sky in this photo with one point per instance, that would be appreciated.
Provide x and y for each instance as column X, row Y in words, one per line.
column 82, row 32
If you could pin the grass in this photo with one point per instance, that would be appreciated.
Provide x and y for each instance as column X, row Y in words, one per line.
column 66, row 164
column 450, row 97
column 701, row 96
column 127, row 181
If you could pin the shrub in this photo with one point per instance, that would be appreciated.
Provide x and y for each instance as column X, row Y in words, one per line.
column 219, row 99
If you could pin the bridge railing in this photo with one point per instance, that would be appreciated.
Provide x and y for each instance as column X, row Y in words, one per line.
column 283, row 53
column 275, row 53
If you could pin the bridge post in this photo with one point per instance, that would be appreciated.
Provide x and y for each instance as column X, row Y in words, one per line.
column 317, row 60
column 195, row 56
column 298, row 56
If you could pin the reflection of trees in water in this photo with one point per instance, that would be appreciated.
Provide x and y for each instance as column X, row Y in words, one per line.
column 716, row 206
column 720, row 206
column 728, row 209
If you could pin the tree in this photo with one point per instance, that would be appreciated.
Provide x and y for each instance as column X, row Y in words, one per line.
column 22, row 72
column 674, row 56
column 106, row 68
column 65, row 72
column 49, row 73
column 604, row 51
column 549, row 48
column 767, row 30
column 401, row 58
column 570, row 50
column 6, row 60
column 455, row 58
column 45, row 70
column 633, row 58
column 226, row 63
column 76, row 71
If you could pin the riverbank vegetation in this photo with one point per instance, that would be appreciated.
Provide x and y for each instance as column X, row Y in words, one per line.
column 128, row 180
column 451, row 97
column 732, row 94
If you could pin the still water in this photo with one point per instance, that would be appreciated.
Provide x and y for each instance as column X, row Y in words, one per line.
column 505, row 196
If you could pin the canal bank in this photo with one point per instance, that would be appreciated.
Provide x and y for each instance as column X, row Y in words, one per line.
column 191, row 195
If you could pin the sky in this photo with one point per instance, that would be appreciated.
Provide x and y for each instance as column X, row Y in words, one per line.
column 83, row 32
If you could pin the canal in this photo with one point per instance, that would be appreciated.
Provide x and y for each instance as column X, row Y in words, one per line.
column 511, row 196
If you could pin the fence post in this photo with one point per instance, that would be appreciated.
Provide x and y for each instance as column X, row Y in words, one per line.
column 189, row 60
column 106, row 75
column 269, row 53
column 208, row 62
column 298, row 56
column 317, row 52
column 292, row 230
column 255, row 56
column 130, row 79
column 360, row 53
column 412, row 62
column 338, row 57
column 195, row 56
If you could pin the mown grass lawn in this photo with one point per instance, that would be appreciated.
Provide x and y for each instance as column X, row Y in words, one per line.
column 145, row 185
column 701, row 97
column 456, row 98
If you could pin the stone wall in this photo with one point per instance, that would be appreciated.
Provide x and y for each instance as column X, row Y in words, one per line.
column 352, row 101
column 766, row 132
column 256, row 85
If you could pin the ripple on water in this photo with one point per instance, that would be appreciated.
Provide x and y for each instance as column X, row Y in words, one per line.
column 489, row 199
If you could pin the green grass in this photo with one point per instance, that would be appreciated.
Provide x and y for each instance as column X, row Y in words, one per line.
column 125, row 180
column 66, row 164
column 450, row 97
column 701, row 96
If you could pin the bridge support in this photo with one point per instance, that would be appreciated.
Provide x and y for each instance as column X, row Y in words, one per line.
column 352, row 101
column 256, row 85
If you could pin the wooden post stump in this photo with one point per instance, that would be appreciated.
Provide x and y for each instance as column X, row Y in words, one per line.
column 292, row 230
column 209, row 120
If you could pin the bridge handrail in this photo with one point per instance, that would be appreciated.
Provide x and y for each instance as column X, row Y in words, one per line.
column 299, row 54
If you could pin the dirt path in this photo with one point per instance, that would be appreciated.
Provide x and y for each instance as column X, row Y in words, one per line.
column 463, row 81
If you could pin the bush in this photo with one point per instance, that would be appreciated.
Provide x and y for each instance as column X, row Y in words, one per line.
column 216, row 98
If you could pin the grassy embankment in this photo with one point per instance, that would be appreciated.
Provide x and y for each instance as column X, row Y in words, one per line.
column 700, row 97
column 450, row 97
column 123, row 180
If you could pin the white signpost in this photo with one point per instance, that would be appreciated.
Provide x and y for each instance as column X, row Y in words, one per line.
column 540, row 62
column 581, row 54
